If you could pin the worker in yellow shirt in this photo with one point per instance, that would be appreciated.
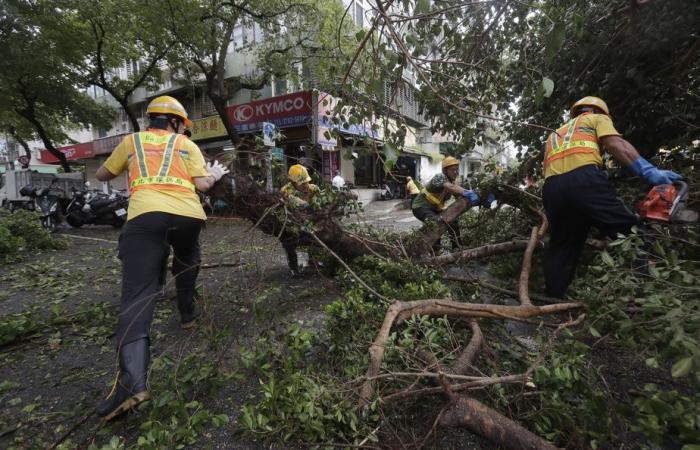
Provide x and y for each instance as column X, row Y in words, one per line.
column 577, row 193
column 298, row 193
column 428, row 205
column 164, row 170
column 412, row 188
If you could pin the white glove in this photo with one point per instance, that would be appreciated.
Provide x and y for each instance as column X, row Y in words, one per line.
column 216, row 170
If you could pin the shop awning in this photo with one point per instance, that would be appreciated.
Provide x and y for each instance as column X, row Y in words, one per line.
column 434, row 156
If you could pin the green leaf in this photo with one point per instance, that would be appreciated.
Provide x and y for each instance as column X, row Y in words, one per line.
column 682, row 367
column 607, row 259
column 548, row 86
column 422, row 7
column 554, row 40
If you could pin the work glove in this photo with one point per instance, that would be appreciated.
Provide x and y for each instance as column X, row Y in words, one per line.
column 644, row 169
column 472, row 196
column 216, row 170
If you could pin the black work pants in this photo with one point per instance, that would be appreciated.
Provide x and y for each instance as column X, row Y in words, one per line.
column 426, row 215
column 290, row 242
column 143, row 247
column 574, row 202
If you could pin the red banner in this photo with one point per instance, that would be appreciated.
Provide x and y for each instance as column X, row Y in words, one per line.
column 72, row 152
column 284, row 111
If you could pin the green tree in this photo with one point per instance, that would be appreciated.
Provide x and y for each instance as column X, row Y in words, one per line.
column 205, row 52
column 111, row 40
column 641, row 57
column 39, row 82
column 523, row 64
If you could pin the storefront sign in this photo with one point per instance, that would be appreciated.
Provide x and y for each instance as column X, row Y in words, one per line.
column 324, row 128
column 268, row 134
column 207, row 128
column 326, row 108
column 283, row 111
column 72, row 152
column 277, row 153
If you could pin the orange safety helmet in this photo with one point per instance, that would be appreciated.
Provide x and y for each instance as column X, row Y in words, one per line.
column 590, row 101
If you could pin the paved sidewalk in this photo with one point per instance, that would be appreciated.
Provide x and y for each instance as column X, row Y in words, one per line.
column 390, row 214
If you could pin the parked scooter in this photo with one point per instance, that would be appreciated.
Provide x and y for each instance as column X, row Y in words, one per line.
column 97, row 208
column 47, row 202
column 390, row 190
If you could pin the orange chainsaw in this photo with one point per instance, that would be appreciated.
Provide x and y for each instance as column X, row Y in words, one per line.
column 667, row 203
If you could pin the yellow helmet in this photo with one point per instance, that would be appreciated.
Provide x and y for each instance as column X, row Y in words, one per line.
column 166, row 104
column 449, row 161
column 298, row 174
column 590, row 101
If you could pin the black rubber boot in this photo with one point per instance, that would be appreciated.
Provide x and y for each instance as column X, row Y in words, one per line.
column 130, row 389
column 189, row 313
column 292, row 259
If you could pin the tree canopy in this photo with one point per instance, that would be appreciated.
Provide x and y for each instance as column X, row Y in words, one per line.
column 40, row 91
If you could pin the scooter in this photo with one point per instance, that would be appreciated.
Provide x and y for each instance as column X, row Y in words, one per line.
column 47, row 203
column 97, row 208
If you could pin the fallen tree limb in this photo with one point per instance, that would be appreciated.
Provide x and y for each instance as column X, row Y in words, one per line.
column 477, row 252
column 477, row 384
column 462, row 365
column 493, row 287
column 222, row 264
column 400, row 311
column 523, row 295
column 480, row 419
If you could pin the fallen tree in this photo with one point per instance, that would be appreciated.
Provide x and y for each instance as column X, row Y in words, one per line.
column 319, row 225
column 272, row 216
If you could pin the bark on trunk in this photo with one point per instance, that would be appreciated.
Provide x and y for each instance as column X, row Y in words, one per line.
column 478, row 252
column 480, row 419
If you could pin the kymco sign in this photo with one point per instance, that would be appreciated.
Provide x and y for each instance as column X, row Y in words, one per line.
column 284, row 111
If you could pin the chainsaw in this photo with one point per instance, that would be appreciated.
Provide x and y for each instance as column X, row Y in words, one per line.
column 667, row 203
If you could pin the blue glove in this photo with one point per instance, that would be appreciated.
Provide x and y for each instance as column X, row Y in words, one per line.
column 644, row 169
column 473, row 198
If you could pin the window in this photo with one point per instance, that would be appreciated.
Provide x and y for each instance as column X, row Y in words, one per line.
column 258, row 33
column 238, row 36
column 280, row 87
column 359, row 14
column 135, row 66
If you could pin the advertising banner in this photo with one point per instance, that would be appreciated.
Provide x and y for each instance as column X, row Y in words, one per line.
column 72, row 152
column 284, row 111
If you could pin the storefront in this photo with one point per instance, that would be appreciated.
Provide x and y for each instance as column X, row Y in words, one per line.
column 352, row 150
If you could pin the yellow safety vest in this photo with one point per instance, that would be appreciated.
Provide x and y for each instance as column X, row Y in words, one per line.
column 570, row 140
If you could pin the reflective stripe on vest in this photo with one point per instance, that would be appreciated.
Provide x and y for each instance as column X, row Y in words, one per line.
column 559, row 149
column 162, row 178
column 437, row 201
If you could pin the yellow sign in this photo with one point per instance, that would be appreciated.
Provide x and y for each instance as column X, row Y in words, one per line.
column 206, row 128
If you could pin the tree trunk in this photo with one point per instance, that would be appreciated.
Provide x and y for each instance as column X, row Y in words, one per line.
column 124, row 103
column 480, row 419
column 220, row 106
column 251, row 202
column 43, row 135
